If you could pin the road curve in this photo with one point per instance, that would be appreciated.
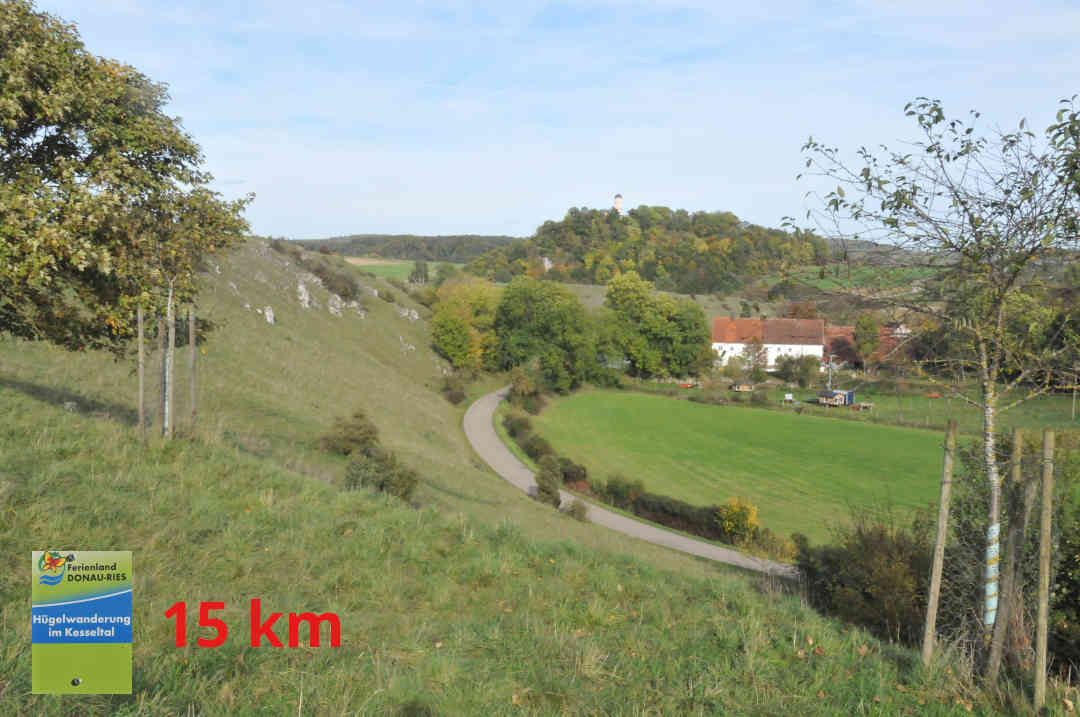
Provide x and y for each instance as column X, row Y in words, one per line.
column 480, row 430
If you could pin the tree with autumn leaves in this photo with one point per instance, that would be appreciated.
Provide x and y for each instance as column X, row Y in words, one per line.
column 105, row 208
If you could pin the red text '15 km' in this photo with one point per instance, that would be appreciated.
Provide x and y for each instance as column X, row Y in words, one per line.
column 260, row 627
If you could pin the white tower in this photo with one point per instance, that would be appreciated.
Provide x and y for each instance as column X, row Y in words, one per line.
column 618, row 203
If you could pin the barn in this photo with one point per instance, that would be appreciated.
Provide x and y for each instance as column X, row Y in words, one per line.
column 779, row 337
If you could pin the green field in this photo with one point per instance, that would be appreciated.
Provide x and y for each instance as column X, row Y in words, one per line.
column 389, row 269
column 803, row 472
column 868, row 277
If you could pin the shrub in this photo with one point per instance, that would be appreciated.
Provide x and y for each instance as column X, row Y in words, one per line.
column 387, row 296
column 875, row 575
column 622, row 492
column 737, row 398
column 536, row 447
column 548, row 480
column 517, row 425
column 381, row 471
column 760, row 397
column 533, row 404
column 572, row 472
column 337, row 282
column 737, row 520
column 578, row 510
column 453, row 389
column 355, row 434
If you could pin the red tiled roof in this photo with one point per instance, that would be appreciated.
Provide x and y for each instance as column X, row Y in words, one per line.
column 726, row 330
column 797, row 332
column 806, row 332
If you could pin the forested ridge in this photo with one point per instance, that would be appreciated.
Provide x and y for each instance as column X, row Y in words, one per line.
column 456, row 249
column 690, row 253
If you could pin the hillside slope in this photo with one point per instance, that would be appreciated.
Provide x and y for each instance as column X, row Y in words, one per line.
column 461, row 607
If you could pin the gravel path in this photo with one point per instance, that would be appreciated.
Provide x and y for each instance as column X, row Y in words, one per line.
column 480, row 430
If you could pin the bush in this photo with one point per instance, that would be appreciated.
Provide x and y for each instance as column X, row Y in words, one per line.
column 453, row 389
column 381, row 471
column 572, row 472
column 579, row 510
column 737, row 520
column 536, row 447
column 355, row 434
column 533, row 404
column 875, row 575
column 622, row 492
column 387, row 296
column 737, row 398
column 337, row 282
column 760, row 397
column 548, row 480
column 517, row 425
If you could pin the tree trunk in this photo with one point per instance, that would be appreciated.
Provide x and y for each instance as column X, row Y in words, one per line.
column 1008, row 577
column 170, row 377
column 993, row 527
column 930, row 625
column 191, row 363
column 141, row 398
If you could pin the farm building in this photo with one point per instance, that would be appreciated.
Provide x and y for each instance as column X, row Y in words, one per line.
column 840, row 343
column 779, row 337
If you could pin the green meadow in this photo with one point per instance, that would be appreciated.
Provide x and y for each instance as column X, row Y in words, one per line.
column 803, row 472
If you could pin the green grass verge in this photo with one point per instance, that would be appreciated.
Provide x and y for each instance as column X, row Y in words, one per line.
column 803, row 472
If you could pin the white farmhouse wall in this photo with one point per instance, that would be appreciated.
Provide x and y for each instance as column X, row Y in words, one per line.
column 772, row 351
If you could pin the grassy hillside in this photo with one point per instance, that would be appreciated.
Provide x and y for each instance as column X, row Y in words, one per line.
column 464, row 606
column 803, row 472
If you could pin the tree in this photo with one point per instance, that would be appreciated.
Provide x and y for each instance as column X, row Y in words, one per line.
column 755, row 358
column 867, row 337
column 85, row 150
column 661, row 335
column 981, row 211
column 462, row 327
column 544, row 320
column 419, row 273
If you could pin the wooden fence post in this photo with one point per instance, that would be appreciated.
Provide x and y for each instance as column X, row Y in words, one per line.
column 1044, row 568
column 141, row 398
column 930, row 625
column 191, row 362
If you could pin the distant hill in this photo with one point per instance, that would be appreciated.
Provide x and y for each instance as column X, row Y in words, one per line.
column 454, row 248
column 703, row 252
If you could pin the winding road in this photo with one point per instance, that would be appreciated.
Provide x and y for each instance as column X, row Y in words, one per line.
column 480, row 430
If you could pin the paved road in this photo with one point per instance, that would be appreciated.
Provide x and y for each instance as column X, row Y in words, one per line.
column 480, row 430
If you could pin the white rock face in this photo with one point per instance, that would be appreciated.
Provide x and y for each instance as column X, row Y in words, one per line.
column 259, row 276
column 409, row 314
column 355, row 306
column 406, row 347
column 269, row 314
column 302, row 295
column 373, row 291
column 247, row 307
column 235, row 290
column 334, row 304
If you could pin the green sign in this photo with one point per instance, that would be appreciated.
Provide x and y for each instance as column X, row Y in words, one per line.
column 81, row 622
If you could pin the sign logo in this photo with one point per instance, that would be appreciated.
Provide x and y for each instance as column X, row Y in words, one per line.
column 51, row 562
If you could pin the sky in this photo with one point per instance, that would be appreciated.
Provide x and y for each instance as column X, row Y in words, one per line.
column 491, row 118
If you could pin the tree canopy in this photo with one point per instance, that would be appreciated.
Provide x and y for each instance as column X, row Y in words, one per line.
column 101, row 193
column 678, row 251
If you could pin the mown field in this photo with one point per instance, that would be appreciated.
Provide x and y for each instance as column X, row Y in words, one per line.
column 465, row 605
column 804, row 472
column 391, row 269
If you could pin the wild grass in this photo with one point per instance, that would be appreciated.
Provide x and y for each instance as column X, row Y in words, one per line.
column 438, row 611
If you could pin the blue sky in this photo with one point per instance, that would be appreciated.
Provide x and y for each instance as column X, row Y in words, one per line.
column 490, row 118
